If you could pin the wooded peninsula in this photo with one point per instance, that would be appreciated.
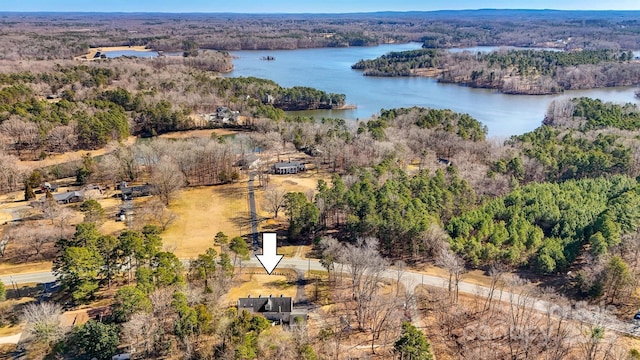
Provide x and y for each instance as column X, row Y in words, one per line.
column 529, row 72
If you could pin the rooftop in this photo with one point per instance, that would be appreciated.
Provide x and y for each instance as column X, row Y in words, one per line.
column 266, row 304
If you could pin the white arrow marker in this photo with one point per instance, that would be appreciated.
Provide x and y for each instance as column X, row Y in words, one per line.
column 269, row 259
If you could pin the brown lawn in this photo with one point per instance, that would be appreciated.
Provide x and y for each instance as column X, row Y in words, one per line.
column 203, row 133
column 31, row 267
column 255, row 285
column 473, row 277
column 301, row 251
column 204, row 211
column 302, row 182
column 5, row 217
column 305, row 183
column 56, row 159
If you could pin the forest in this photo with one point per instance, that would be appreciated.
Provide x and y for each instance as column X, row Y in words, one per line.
column 70, row 107
column 531, row 72
column 45, row 36
column 409, row 192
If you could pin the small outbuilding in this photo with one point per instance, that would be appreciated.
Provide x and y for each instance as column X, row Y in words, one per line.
column 46, row 186
column 445, row 162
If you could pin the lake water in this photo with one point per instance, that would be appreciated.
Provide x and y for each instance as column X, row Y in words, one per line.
column 329, row 69
column 144, row 54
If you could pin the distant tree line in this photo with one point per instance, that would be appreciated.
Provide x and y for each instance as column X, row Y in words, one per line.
column 44, row 37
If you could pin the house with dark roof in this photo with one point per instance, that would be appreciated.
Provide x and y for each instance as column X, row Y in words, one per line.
column 69, row 197
column 278, row 309
column 288, row 167
column 129, row 192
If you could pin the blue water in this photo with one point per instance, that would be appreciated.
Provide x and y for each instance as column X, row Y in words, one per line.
column 143, row 54
column 329, row 69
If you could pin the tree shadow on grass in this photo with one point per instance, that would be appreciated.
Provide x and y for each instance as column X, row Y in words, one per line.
column 23, row 290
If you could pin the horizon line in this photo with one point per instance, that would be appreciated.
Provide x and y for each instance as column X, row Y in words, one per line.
column 306, row 13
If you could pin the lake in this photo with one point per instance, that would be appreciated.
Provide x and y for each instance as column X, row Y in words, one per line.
column 135, row 53
column 329, row 69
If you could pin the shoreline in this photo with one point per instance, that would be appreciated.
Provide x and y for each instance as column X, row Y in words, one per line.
column 92, row 51
column 345, row 107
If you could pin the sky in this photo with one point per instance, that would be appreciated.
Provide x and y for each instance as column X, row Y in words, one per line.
column 305, row 6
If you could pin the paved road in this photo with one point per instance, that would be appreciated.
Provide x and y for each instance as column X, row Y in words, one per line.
column 411, row 280
column 37, row 277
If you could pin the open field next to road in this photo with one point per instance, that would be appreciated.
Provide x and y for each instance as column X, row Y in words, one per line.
column 204, row 211
column 305, row 183
column 30, row 267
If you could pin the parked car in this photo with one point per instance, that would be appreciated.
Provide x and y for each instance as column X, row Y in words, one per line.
column 636, row 316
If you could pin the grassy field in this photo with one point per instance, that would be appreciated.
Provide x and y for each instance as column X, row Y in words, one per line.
column 30, row 267
column 204, row 211
column 56, row 159
column 5, row 217
column 203, row 133
column 295, row 251
column 303, row 182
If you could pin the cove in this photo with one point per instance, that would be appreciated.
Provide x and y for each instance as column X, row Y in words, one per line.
column 329, row 69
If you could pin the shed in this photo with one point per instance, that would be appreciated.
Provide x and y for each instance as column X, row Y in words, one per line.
column 46, row 186
column 444, row 161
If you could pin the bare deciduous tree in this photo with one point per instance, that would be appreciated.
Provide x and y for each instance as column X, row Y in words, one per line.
column 139, row 331
column 330, row 249
column 365, row 267
column 24, row 134
column 496, row 271
column 166, row 178
column 11, row 173
column 455, row 266
column 385, row 311
column 274, row 199
column 154, row 211
column 399, row 267
column 61, row 139
column 49, row 208
column 593, row 344
column 430, row 243
column 43, row 324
